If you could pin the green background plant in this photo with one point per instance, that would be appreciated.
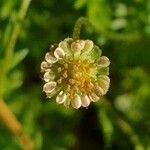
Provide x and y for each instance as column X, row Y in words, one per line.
column 122, row 29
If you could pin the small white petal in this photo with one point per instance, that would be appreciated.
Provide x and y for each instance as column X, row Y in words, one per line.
column 88, row 47
column 48, row 76
column 68, row 39
column 104, row 82
column 50, row 58
column 67, row 102
column 76, row 102
column 104, row 77
column 61, row 97
column 45, row 65
column 49, row 87
column 65, row 45
column 59, row 53
column 51, row 94
column 77, row 45
column 99, row 91
column 85, row 100
column 103, row 61
column 93, row 97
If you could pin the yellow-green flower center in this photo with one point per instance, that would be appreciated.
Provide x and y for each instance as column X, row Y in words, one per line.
column 76, row 75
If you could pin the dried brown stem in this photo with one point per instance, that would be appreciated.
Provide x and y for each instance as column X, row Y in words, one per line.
column 14, row 126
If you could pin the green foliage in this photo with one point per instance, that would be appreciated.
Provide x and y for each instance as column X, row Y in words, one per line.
column 18, row 57
column 122, row 29
column 98, row 13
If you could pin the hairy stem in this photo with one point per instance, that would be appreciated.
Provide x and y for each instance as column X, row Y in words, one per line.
column 77, row 27
column 14, row 125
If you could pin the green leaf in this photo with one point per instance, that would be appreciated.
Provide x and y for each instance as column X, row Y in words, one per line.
column 14, row 81
column 18, row 57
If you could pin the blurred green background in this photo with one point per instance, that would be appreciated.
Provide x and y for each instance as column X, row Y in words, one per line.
column 122, row 30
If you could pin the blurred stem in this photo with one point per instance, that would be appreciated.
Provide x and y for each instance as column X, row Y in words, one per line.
column 14, row 125
column 77, row 27
column 133, row 36
column 125, row 127
column 16, row 30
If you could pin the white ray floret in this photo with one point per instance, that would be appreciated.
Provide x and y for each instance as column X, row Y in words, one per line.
column 85, row 100
column 104, row 82
column 45, row 65
column 77, row 45
column 105, row 78
column 61, row 97
column 93, row 97
column 59, row 53
column 103, row 61
column 76, row 102
column 50, row 58
column 99, row 91
column 48, row 75
column 65, row 46
column 88, row 47
column 49, row 87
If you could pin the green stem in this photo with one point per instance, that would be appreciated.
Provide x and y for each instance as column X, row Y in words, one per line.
column 77, row 28
column 125, row 126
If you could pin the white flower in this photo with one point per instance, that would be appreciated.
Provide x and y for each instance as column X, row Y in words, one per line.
column 75, row 73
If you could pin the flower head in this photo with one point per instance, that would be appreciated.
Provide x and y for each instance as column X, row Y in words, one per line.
column 75, row 73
